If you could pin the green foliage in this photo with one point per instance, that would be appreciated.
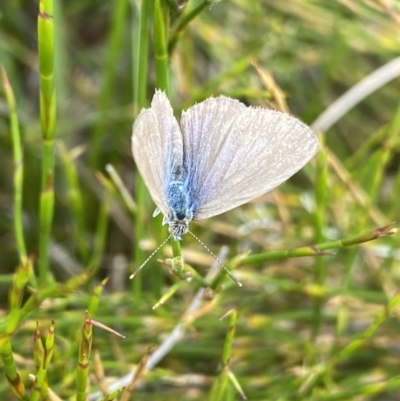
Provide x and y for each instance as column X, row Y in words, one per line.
column 317, row 317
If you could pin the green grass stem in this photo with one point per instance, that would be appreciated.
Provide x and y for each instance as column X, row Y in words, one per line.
column 322, row 248
column 18, row 169
column 220, row 389
column 140, row 100
column 10, row 370
column 48, row 121
column 75, row 200
column 160, row 46
column 161, row 29
column 114, row 46
column 122, row 189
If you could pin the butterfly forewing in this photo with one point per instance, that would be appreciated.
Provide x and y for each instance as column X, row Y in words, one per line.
column 233, row 154
column 205, row 128
column 157, row 147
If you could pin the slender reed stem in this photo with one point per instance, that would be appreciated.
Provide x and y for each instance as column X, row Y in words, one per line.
column 76, row 201
column 320, row 249
column 48, row 120
column 115, row 42
column 140, row 101
column 160, row 47
column 18, row 169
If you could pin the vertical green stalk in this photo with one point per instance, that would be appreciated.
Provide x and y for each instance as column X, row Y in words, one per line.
column 140, row 101
column 160, row 46
column 163, row 47
column 48, row 120
column 176, row 248
column 61, row 58
column 141, row 67
column 10, row 370
column 161, row 21
column 114, row 47
column 18, row 169
column 75, row 200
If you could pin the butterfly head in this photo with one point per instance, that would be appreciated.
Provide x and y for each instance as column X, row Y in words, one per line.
column 178, row 228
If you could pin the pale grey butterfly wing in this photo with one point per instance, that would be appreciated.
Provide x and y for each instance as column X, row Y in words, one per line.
column 157, row 147
column 205, row 128
column 233, row 153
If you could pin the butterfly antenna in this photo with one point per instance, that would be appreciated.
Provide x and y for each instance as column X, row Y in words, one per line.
column 216, row 258
column 133, row 275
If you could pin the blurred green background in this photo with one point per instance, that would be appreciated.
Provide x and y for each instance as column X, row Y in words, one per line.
column 314, row 328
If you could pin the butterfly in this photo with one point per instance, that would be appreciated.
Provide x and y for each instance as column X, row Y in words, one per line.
column 220, row 155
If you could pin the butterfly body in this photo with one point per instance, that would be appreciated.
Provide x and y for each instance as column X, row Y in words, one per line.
column 180, row 212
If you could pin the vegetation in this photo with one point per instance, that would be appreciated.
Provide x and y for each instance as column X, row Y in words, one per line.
column 317, row 317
